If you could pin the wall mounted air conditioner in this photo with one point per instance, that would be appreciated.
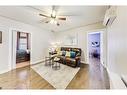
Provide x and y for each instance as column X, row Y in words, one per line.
column 110, row 16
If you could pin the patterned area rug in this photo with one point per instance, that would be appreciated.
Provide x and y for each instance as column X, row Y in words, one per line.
column 59, row 79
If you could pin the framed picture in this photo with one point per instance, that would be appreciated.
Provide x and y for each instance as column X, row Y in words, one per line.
column 0, row 37
column 95, row 44
column 70, row 40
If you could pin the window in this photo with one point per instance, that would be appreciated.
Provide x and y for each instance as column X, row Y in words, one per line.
column 23, row 41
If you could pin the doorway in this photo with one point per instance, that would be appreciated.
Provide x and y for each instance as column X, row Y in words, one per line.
column 22, row 49
column 94, row 47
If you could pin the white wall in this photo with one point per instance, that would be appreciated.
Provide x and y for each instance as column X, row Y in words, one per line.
column 82, row 37
column 117, row 43
column 4, row 50
column 40, row 42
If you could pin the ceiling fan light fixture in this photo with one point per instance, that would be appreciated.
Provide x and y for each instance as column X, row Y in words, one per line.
column 55, row 22
column 53, row 13
column 52, row 21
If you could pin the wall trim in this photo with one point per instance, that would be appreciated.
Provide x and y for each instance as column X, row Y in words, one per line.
column 37, row 62
column 94, row 23
column 33, row 63
column 115, row 80
column 84, row 62
column 4, row 71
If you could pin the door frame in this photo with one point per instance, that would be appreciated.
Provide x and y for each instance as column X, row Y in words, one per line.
column 13, row 44
column 102, row 48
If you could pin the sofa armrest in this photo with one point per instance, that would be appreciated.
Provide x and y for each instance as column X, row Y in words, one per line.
column 77, row 57
column 78, row 60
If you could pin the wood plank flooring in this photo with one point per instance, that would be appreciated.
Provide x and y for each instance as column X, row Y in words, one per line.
column 22, row 64
column 92, row 76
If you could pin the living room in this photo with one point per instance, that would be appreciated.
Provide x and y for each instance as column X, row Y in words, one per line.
column 67, row 39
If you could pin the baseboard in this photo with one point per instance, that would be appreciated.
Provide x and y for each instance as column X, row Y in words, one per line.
column 84, row 62
column 4, row 71
column 115, row 80
column 32, row 63
column 39, row 61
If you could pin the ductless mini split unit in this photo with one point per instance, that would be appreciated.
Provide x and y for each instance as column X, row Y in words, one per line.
column 110, row 16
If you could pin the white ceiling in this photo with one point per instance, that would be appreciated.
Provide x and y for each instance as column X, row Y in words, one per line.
column 77, row 15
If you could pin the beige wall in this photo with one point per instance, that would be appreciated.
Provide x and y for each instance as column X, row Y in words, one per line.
column 117, row 43
column 82, row 37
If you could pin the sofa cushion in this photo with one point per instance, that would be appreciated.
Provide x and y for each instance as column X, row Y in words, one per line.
column 72, row 54
column 70, row 59
column 67, row 54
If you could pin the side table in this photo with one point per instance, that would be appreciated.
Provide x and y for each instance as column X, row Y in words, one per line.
column 48, row 61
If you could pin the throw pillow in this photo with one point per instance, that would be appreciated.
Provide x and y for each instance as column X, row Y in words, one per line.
column 58, row 49
column 63, row 53
column 67, row 54
column 59, row 52
column 73, row 54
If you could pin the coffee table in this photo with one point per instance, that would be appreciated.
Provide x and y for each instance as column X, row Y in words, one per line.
column 56, row 64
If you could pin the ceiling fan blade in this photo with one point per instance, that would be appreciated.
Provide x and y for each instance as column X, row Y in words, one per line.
column 62, row 18
column 70, row 15
column 46, row 20
column 44, row 15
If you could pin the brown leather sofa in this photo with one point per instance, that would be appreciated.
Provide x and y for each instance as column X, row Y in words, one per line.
column 74, row 62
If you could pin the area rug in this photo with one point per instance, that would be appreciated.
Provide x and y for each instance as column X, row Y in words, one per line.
column 59, row 79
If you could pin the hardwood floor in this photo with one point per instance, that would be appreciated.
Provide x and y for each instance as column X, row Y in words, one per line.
column 22, row 64
column 23, row 78
column 92, row 76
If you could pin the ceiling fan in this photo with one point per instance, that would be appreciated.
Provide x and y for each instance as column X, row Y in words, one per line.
column 53, row 18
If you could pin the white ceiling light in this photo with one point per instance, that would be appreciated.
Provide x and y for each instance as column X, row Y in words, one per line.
column 55, row 22
column 52, row 21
